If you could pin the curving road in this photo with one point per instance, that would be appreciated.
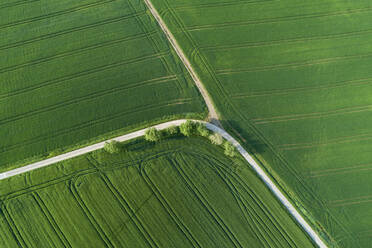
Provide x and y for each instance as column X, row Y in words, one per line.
column 261, row 173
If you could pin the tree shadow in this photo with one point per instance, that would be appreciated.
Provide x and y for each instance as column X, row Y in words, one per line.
column 249, row 140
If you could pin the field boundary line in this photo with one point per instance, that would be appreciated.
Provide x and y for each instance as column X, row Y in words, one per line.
column 213, row 116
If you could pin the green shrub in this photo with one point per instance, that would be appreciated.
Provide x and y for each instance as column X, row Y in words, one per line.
column 112, row 147
column 152, row 134
column 216, row 139
column 172, row 130
column 202, row 129
column 230, row 149
column 187, row 128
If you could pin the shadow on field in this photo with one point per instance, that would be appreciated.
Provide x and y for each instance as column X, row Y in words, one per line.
column 248, row 140
column 140, row 144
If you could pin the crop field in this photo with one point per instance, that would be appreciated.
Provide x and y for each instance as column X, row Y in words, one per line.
column 293, row 80
column 181, row 192
column 73, row 72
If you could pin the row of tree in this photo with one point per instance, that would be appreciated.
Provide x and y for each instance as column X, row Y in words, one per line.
column 188, row 128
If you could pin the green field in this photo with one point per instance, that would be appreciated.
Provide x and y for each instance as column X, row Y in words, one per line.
column 74, row 72
column 292, row 79
column 181, row 192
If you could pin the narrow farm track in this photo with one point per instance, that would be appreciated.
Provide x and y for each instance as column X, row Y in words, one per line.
column 260, row 172
column 213, row 116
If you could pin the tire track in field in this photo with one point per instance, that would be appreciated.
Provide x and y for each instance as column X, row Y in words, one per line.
column 44, row 185
column 55, row 14
column 276, row 20
column 124, row 203
column 342, row 140
column 47, row 214
column 68, row 31
column 351, row 201
column 279, row 42
column 287, row 91
column 95, row 122
column 88, row 97
column 223, row 173
column 167, row 207
column 209, row 209
column 248, row 216
column 292, row 65
column 20, row 240
column 82, row 99
column 219, row 4
column 343, row 170
column 121, row 200
column 73, row 52
column 88, row 214
column 252, row 222
column 314, row 115
column 83, row 73
column 9, row 5
column 249, row 210
column 297, row 177
column 287, row 238
column 154, row 44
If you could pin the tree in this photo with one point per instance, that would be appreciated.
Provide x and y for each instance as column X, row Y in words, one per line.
column 202, row 129
column 216, row 139
column 172, row 130
column 187, row 128
column 152, row 134
column 112, row 147
column 230, row 149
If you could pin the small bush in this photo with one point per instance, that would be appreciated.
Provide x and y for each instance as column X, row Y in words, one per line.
column 230, row 150
column 187, row 128
column 152, row 134
column 202, row 129
column 112, row 147
column 172, row 130
column 216, row 139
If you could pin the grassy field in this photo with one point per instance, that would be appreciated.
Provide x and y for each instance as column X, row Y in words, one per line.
column 181, row 192
column 292, row 79
column 72, row 72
